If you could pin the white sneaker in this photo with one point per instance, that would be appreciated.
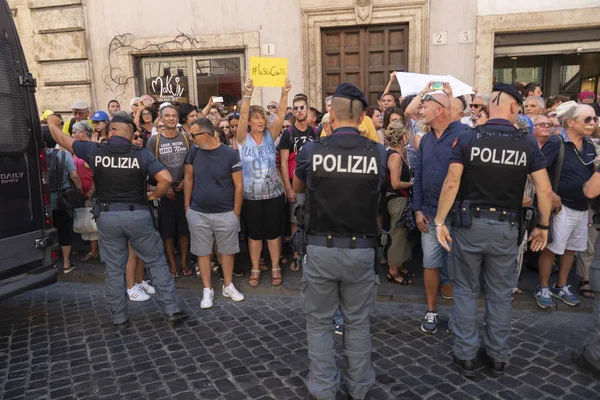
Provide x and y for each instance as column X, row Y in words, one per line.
column 146, row 287
column 207, row 298
column 231, row 292
column 137, row 294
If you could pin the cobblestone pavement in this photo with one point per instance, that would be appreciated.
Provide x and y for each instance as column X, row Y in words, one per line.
column 59, row 343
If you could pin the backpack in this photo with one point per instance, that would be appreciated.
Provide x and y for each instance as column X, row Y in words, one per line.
column 56, row 170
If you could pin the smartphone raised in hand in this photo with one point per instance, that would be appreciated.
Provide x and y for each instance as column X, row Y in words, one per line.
column 217, row 99
column 437, row 86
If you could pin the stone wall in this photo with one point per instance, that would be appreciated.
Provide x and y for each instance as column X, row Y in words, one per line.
column 54, row 38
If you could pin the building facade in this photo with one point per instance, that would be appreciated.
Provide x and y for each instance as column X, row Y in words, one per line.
column 186, row 51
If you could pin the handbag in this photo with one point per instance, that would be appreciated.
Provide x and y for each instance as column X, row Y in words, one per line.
column 407, row 218
column 84, row 221
column 69, row 199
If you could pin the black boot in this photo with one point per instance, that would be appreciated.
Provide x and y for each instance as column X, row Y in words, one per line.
column 465, row 367
column 496, row 367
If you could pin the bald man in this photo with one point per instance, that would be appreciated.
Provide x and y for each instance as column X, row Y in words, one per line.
column 432, row 162
column 457, row 109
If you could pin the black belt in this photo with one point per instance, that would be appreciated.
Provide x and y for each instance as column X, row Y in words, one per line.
column 342, row 242
column 123, row 207
column 496, row 214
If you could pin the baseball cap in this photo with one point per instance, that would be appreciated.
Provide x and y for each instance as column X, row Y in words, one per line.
column 100, row 116
column 509, row 90
column 124, row 120
column 564, row 107
column 46, row 114
column 586, row 95
column 352, row 92
column 80, row 105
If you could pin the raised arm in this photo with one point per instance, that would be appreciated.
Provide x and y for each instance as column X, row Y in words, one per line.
column 389, row 85
column 275, row 128
column 412, row 109
column 58, row 135
column 242, row 131
column 208, row 107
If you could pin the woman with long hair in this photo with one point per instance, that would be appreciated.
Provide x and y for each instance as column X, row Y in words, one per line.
column 398, row 187
column 264, row 197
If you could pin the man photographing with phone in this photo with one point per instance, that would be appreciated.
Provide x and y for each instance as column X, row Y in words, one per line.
column 433, row 158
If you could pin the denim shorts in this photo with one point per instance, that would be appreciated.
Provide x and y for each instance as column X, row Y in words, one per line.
column 434, row 255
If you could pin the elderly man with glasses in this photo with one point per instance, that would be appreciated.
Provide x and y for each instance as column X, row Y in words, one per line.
column 479, row 102
column 570, row 159
column 81, row 112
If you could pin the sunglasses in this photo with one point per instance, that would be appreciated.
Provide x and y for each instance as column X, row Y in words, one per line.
column 270, row 106
column 587, row 120
column 299, row 108
column 429, row 97
column 475, row 105
column 543, row 124
column 146, row 114
column 137, row 137
column 193, row 135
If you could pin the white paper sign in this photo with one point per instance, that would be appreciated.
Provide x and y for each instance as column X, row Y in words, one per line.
column 411, row 83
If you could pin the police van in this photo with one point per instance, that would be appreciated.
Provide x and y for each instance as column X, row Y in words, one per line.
column 28, row 242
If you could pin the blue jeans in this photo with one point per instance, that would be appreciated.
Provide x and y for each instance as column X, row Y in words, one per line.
column 338, row 318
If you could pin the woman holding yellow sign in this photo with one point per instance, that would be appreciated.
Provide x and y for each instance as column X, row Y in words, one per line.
column 264, row 197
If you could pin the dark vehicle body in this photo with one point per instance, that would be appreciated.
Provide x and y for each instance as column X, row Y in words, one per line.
column 28, row 242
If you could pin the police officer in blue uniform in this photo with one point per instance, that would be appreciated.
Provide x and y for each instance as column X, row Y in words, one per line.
column 488, row 170
column 120, row 173
column 342, row 174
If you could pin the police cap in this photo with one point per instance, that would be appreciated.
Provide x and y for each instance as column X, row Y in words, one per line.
column 349, row 91
column 509, row 90
column 124, row 120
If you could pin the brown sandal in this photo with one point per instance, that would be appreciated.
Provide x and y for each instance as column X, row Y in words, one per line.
column 174, row 273
column 276, row 280
column 254, row 277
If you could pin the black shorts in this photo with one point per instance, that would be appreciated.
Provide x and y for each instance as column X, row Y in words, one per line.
column 172, row 222
column 263, row 218
column 63, row 222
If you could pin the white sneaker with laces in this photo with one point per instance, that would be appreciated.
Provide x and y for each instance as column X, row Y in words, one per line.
column 137, row 294
column 146, row 287
column 231, row 292
column 207, row 298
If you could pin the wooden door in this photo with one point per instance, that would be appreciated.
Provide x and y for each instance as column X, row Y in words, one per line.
column 364, row 56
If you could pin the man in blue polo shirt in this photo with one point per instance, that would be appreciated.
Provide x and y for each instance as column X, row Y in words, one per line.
column 433, row 159
column 570, row 206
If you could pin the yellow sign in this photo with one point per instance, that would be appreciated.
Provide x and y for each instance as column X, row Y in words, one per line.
column 267, row 71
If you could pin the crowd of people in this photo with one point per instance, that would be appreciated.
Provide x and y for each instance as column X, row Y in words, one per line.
column 228, row 183
column 258, row 188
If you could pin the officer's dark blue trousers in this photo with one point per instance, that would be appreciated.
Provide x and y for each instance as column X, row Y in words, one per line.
column 592, row 349
column 115, row 228
column 343, row 278
column 490, row 247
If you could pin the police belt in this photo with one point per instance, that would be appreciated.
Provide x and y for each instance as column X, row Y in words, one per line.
column 123, row 207
column 496, row 214
column 342, row 242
